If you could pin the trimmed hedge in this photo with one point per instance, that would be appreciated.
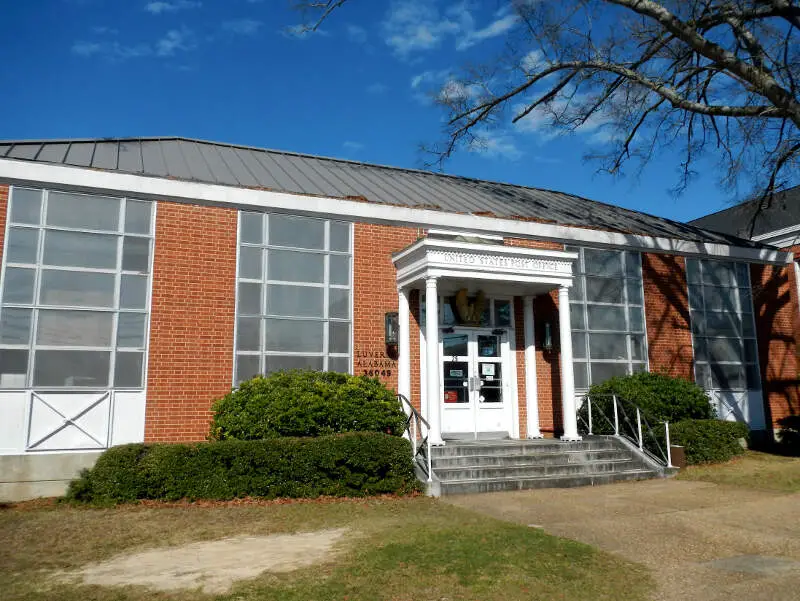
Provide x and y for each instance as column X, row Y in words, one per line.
column 353, row 465
column 663, row 397
column 708, row 440
column 306, row 403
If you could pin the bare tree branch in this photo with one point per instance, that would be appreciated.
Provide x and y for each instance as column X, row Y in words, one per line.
column 714, row 78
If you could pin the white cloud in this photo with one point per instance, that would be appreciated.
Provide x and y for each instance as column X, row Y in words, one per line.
column 87, row 48
column 157, row 8
column 174, row 40
column 418, row 25
column 414, row 25
column 356, row 34
column 377, row 88
column 495, row 145
column 353, row 146
column 242, row 26
column 111, row 50
column 494, row 29
column 427, row 78
column 532, row 61
column 301, row 32
column 456, row 91
column 540, row 123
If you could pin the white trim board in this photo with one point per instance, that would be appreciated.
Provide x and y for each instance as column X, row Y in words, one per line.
column 155, row 188
column 787, row 236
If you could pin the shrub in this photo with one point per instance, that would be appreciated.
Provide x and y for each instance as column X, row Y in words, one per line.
column 355, row 464
column 708, row 440
column 306, row 403
column 660, row 397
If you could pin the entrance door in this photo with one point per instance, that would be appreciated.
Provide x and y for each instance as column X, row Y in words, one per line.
column 474, row 383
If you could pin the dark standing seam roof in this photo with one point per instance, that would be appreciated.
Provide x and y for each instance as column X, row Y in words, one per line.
column 781, row 212
column 226, row 164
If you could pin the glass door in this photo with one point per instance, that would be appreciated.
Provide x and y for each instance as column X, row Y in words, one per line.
column 473, row 383
column 458, row 410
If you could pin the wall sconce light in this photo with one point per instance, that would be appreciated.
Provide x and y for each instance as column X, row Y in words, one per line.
column 547, row 343
column 391, row 325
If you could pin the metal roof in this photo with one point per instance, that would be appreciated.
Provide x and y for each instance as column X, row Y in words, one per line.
column 781, row 212
column 231, row 165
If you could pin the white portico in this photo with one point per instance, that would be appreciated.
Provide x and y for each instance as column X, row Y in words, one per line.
column 468, row 368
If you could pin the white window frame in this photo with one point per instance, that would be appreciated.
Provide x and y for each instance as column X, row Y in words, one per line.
column 265, row 282
column 35, row 306
column 586, row 360
column 736, row 266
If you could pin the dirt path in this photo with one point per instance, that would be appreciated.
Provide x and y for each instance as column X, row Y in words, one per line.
column 212, row 566
column 701, row 540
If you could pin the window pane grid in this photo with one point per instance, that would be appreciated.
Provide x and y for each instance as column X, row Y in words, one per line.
column 59, row 334
column 608, row 315
column 720, row 290
column 295, row 287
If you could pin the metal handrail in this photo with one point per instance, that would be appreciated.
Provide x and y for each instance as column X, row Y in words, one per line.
column 418, row 432
column 636, row 433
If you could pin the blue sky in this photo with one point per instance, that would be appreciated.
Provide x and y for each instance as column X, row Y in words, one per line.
column 234, row 71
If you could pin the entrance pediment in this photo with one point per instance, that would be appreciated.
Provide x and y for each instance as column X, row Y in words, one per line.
column 451, row 259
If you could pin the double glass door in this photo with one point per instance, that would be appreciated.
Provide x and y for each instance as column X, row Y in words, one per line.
column 474, row 387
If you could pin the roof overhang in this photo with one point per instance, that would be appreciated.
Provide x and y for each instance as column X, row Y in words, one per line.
column 462, row 261
column 83, row 179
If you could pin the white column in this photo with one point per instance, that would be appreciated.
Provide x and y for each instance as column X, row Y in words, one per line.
column 403, row 345
column 531, row 390
column 567, row 376
column 432, row 360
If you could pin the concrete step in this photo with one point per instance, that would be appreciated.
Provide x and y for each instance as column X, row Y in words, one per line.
column 541, row 458
column 516, row 447
column 503, row 484
column 515, row 472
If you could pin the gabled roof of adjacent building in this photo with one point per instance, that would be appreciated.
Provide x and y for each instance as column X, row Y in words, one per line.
column 257, row 168
column 756, row 218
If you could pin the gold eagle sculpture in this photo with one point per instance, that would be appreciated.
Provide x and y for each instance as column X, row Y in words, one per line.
column 470, row 312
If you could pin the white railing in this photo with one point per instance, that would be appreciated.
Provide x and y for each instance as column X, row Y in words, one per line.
column 624, row 419
column 418, row 432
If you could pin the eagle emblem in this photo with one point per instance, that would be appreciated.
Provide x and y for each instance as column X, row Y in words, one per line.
column 469, row 313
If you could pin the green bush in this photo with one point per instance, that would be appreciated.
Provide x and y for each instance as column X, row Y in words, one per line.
column 708, row 440
column 354, row 464
column 660, row 397
column 306, row 403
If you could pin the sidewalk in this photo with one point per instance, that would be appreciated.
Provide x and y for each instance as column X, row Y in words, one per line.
column 701, row 540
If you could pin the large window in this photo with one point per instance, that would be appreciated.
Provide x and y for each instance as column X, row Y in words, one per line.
column 294, row 294
column 607, row 315
column 723, row 331
column 74, row 293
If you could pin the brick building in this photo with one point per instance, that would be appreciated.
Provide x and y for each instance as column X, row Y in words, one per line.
column 775, row 291
column 143, row 278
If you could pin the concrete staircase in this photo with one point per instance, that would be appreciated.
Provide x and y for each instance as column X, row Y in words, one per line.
column 462, row 467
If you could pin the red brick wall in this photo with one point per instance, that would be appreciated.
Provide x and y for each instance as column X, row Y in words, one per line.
column 3, row 214
column 548, row 365
column 776, row 315
column 191, row 320
column 666, row 309
column 374, row 294
column 519, row 341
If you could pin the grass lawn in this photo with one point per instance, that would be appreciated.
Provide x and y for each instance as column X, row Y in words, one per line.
column 400, row 549
column 752, row 470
